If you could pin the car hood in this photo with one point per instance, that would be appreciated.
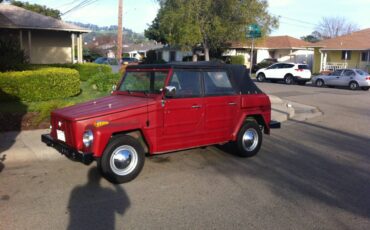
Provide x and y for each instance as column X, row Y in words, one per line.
column 101, row 107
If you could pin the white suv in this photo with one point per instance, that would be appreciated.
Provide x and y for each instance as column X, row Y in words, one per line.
column 289, row 72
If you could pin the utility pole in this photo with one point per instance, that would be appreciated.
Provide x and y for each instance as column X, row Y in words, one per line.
column 119, row 32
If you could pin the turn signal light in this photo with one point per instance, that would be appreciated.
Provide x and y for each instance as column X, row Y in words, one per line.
column 98, row 124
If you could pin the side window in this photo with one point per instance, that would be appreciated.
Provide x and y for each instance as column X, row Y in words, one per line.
column 217, row 83
column 349, row 73
column 275, row 66
column 280, row 66
column 187, row 83
column 337, row 72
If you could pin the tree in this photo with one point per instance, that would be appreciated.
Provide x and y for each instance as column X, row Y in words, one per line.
column 331, row 27
column 38, row 9
column 313, row 37
column 207, row 23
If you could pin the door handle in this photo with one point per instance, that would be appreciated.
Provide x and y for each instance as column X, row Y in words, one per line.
column 196, row 106
column 232, row 103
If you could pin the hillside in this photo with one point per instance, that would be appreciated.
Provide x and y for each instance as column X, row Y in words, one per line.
column 129, row 36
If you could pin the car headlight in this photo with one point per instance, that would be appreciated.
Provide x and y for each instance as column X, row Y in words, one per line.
column 88, row 138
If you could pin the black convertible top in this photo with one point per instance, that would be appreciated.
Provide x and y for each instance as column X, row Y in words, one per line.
column 239, row 75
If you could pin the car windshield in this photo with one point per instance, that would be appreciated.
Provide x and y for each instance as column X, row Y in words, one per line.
column 143, row 81
column 361, row 72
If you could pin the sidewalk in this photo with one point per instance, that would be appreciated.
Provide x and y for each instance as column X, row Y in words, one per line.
column 27, row 146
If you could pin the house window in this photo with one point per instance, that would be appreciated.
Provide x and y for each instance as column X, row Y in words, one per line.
column 173, row 56
column 159, row 55
column 365, row 56
column 346, row 55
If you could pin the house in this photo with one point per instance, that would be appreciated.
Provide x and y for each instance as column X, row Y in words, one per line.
column 45, row 40
column 348, row 51
column 282, row 48
column 172, row 54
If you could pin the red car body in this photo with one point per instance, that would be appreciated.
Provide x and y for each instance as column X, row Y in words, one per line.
column 161, row 124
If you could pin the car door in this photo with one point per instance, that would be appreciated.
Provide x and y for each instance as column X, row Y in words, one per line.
column 333, row 78
column 347, row 76
column 221, row 105
column 184, row 113
column 270, row 72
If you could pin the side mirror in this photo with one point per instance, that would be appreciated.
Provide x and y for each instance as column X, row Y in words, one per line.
column 114, row 87
column 170, row 91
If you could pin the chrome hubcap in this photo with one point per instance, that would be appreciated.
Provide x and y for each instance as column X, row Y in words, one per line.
column 319, row 83
column 250, row 139
column 123, row 160
column 353, row 86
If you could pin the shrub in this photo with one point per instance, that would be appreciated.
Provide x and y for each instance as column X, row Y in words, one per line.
column 103, row 82
column 86, row 70
column 12, row 57
column 237, row 60
column 39, row 85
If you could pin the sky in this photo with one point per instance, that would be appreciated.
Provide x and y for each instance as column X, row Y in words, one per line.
column 297, row 17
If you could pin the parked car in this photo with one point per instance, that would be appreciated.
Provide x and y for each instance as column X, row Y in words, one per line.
column 288, row 72
column 163, row 108
column 105, row 60
column 130, row 60
column 263, row 64
column 352, row 78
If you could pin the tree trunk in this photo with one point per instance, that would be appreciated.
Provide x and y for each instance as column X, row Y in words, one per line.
column 206, row 53
column 195, row 57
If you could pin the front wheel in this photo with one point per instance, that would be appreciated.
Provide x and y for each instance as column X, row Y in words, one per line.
column 249, row 139
column 261, row 77
column 122, row 159
column 319, row 83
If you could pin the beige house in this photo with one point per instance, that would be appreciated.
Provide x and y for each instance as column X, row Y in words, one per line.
column 45, row 40
column 348, row 51
column 282, row 48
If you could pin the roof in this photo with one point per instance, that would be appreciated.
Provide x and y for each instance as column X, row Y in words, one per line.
column 274, row 42
column 359, row 40
column 14, row 17
column 239, row 75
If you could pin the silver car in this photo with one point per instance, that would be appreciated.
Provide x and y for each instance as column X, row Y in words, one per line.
column 352, row 78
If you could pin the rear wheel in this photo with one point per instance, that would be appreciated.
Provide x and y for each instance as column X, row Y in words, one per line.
column 249, row 139
column 353, row 85
column 261, row 77
column 288, row 79
column 365, row 88
column 122, row 159
column 319, row 83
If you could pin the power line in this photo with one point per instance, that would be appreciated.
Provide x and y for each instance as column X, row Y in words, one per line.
column 297, row 20
column 297, row 25
column 81, row 5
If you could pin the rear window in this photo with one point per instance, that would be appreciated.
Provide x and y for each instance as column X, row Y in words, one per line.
column 361, row 72
column 302, row 67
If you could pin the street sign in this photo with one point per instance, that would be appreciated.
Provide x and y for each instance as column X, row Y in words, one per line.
column 253, row 31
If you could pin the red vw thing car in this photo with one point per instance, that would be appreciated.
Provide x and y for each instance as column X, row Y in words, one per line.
column 163, row 108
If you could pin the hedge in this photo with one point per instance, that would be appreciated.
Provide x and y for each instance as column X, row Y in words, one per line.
column 239, row 60
column 103, row 82
column 39, row 85
column 86, row 70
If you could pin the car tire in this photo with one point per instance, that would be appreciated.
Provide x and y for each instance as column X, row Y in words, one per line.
column 261, row 77
column 353, row 85
column 365, row 88
column 249, row 139
column 320, row 83
column 288, row 79
column 122, row 160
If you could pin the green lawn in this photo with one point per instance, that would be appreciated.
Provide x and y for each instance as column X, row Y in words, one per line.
column 45, row 107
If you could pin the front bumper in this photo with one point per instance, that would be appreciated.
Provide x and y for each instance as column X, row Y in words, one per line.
column 69, row 152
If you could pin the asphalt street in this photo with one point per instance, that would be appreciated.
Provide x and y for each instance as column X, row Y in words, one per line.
column 312, row 174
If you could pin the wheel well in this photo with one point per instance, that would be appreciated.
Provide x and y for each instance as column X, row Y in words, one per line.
column 137, row 134
column 353, row 81
column 258, row 118
column 288, row 74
